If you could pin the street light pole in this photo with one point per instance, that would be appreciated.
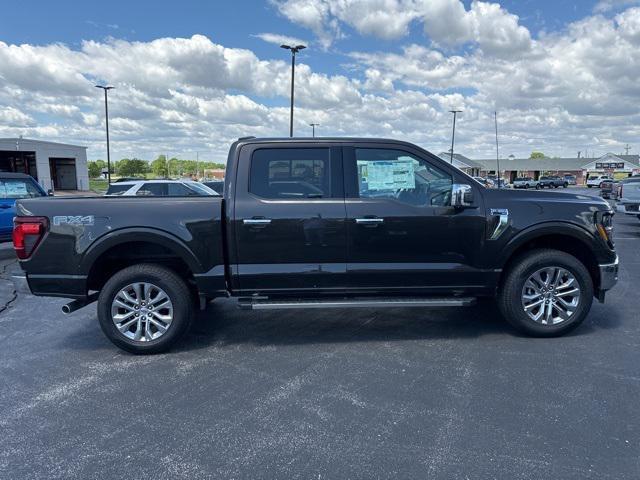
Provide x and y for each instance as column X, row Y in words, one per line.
column 495, row 116
column 313, row 127
column 294, row 49
column 453, row 135
column 106, row 116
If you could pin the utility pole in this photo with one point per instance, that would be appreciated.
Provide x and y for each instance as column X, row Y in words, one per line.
column 294, row 49
column 453, row 135
column 495, row 115
column 313, row 127
column 626, row 149
column 106, row 117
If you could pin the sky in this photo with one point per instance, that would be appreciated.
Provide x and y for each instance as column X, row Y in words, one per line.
column 192, row 76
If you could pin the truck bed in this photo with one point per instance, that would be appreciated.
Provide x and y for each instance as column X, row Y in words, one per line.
column 84, row 230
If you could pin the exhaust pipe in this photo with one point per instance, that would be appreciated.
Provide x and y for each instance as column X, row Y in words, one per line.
column 79, row 303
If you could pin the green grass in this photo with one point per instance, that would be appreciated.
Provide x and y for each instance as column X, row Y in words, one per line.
column 98, row 185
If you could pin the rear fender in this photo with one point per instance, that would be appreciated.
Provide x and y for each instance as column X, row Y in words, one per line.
column 149, row 235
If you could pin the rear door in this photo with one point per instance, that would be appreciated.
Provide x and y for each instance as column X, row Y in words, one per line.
column 403, row 234
column 289, row 219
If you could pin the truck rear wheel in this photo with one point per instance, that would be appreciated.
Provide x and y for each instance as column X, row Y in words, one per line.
column 546, row 293
column 145, row 308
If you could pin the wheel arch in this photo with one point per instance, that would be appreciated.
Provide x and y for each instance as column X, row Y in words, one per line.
column 131, row 246
column 568, row 238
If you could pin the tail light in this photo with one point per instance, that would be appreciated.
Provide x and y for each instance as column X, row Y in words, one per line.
column 27, row 234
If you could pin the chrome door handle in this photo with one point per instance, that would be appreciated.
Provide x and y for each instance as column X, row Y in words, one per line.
column 369, row 221
column 256, row 221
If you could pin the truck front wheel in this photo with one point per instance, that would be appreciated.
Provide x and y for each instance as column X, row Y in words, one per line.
column 145, row 308
column 546, row 293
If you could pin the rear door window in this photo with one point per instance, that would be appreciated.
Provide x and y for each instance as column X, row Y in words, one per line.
column 117, row 189
column 18, row 188
column 178, row 190
column 291, row 173
column 152, row 190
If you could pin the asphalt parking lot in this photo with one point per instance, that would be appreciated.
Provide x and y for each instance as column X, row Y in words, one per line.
column 396, row 393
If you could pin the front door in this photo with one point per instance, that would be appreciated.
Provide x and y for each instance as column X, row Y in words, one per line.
column 289, row 220
column 403, row 234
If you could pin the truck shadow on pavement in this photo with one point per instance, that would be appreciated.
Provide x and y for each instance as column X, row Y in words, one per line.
column 223, row 324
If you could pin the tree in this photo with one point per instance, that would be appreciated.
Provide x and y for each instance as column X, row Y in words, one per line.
column 537, row 155
column 159, row 166
column 130, row 167
column 94, row 169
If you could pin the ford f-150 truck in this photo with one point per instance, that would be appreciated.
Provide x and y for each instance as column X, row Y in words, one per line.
column 322, row 223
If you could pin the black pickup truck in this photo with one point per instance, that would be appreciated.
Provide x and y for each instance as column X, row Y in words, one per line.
column 322, row 223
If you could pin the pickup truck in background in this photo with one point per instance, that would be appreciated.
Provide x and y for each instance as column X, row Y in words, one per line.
column 526, row 182
column 320, row 223
column 552, row 182
column 628, row 196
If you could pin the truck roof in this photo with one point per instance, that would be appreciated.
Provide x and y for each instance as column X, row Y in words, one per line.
column 319, row 140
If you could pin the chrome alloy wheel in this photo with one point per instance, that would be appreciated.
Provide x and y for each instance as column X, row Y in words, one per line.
column 551, row 295
column 142, row 311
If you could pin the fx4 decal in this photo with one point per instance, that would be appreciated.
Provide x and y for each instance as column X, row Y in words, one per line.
column 84, row 220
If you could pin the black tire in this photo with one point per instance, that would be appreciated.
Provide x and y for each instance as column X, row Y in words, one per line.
column 510, row 292
column 164, row 278
column 565, row 185
column 589, row 186
column 526, row 187
column 538, row 187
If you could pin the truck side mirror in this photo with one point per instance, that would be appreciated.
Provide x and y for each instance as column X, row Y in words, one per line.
column 461, row 195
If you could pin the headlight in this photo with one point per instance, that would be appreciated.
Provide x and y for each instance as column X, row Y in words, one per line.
column 604, row 224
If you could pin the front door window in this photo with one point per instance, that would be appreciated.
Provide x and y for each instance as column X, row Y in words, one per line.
column 400, row 176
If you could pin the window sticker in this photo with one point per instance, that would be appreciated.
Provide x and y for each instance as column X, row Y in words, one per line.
column 16, row 189
column 392, row 175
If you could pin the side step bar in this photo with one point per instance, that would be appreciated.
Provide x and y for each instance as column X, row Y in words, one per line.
column 264, row 304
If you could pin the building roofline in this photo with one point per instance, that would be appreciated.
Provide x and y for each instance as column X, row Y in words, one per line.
column 44, row 142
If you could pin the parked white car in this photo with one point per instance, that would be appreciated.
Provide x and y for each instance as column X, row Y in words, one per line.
column 596, row 180
column 159, row 188
column 526, row 182
column 629, row 196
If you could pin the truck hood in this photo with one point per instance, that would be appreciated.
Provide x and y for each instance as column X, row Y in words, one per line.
column 494, row 196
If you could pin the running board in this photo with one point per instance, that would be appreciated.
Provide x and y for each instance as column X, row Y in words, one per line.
column 264, row 304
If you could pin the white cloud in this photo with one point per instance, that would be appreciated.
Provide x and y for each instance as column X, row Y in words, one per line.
column 277, row 39
column 607, row 5
column 445, row 21
column 561, row 93
column 12, row 117
column 494, row 29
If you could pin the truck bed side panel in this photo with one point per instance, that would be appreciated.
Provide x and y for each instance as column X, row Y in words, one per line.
column 82, row 229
